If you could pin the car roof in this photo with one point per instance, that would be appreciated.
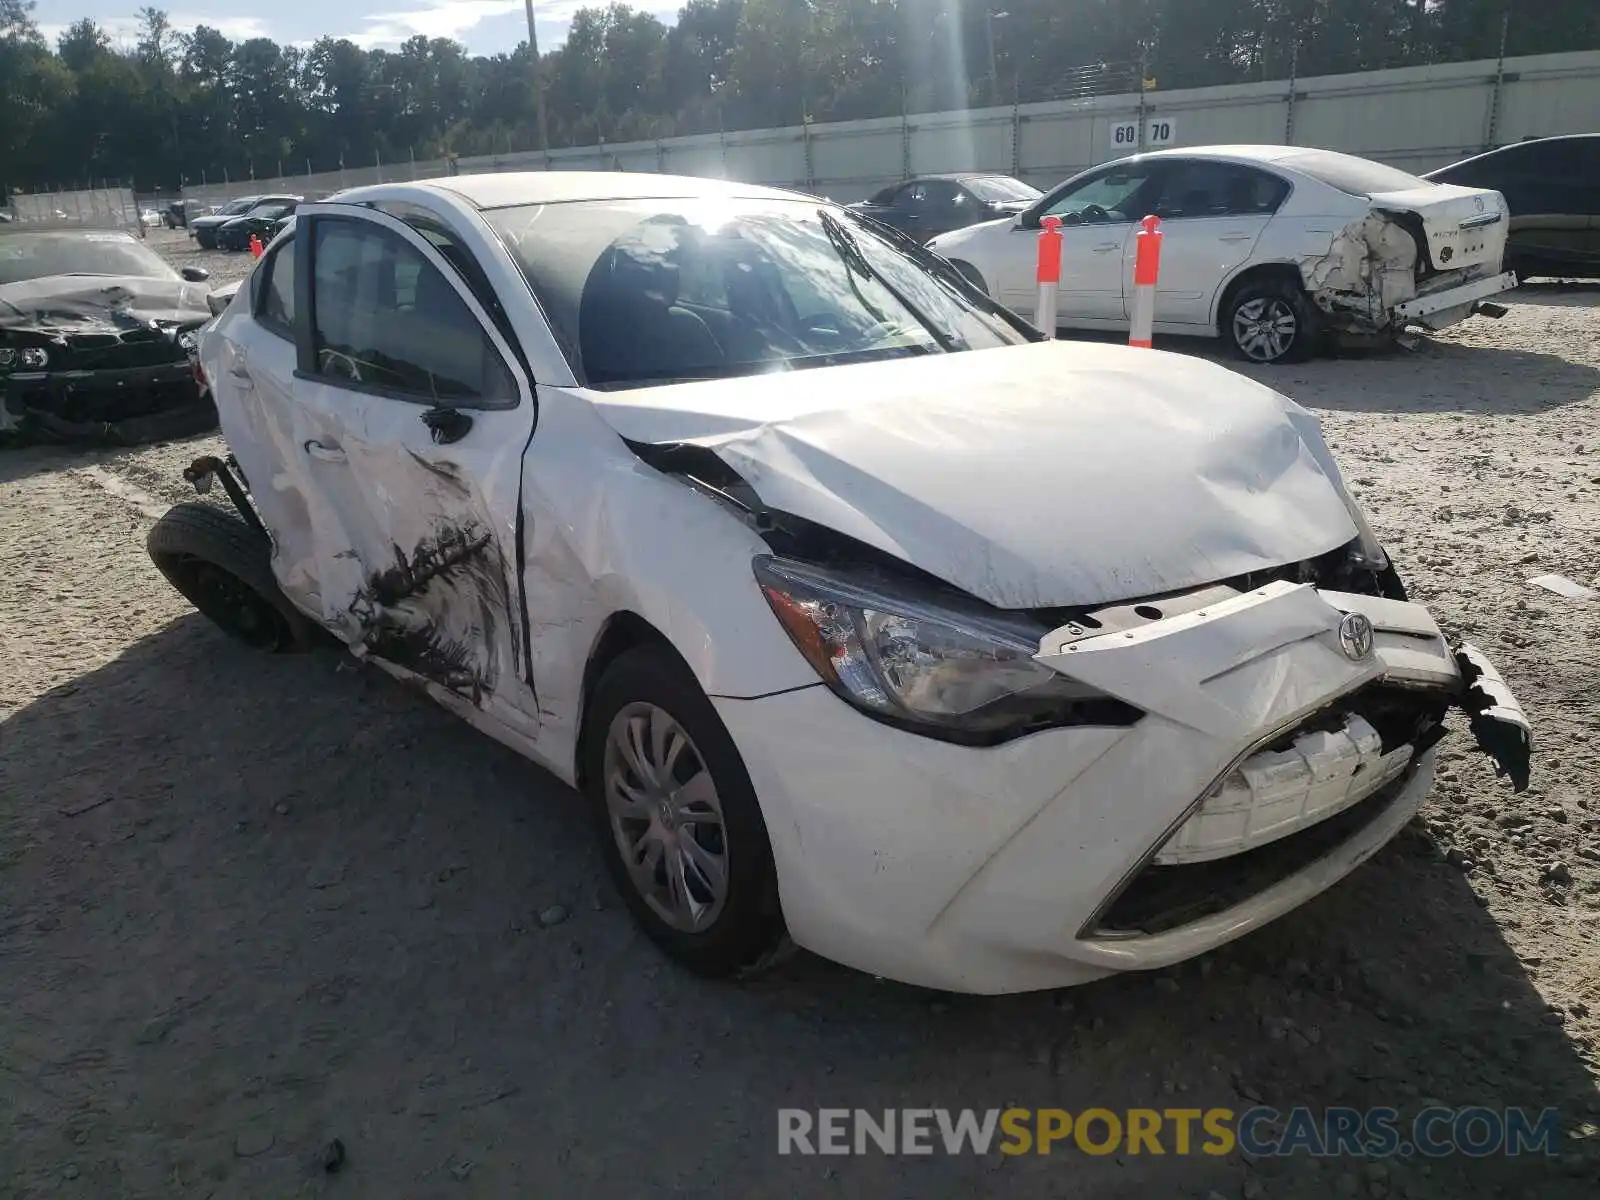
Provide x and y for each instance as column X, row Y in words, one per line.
column 511, row 188
column 1288, row 158
column 1554, row 139
column 958, row 176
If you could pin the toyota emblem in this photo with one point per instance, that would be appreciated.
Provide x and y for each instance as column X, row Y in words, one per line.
column 1355, row 637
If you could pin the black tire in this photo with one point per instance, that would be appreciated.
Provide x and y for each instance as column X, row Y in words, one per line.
column 224, row 568
column 748, row 928
column 1294, row 330
column 971, row 274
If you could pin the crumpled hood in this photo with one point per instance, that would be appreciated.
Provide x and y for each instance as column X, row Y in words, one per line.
column 86, row 303
column 1055, row 474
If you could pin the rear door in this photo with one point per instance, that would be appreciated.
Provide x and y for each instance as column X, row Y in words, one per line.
column 1212, row 214
column 414, row 410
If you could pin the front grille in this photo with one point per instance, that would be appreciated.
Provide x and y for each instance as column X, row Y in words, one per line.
column 1165, row 895
column 1161, row 899
column 117, row 351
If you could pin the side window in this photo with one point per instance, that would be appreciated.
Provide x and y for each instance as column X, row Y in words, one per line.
column 460, row 258
column 275, row 302
column 386, row 318
column 1218, row 189
column 913, row 195
column 1120, row 195
column 941, row 195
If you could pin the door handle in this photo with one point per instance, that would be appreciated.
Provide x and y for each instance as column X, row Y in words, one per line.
column 1107, row 247
column 1235, row 237
column 323, row 452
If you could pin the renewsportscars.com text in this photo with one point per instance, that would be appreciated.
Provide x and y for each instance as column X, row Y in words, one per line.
column 1261, row 1131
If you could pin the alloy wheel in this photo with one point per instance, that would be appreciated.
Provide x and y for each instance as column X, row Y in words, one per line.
column 666, row 817
column 1265, row 328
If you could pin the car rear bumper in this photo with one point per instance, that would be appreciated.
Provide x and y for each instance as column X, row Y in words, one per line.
column 1438, row 310
column 1047, row 862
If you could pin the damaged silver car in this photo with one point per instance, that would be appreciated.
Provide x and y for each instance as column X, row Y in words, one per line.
column 95, row 339
column 865, row 619
column 1274, row 249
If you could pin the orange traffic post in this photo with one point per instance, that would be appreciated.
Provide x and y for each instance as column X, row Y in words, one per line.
column 1146, row 270
column 1044, row 315
column 255, row 246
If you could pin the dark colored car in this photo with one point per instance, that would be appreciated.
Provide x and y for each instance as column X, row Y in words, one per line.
column 205, row 229
column 177, row 214
column 262, row 220
column 1552, row 186
column 929, row 205
column 95, row 332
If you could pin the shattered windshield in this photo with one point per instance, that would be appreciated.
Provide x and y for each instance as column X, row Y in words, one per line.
column 640, row 292
column 25, row 256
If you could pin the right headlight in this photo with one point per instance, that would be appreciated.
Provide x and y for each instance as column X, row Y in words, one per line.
column 932, row 666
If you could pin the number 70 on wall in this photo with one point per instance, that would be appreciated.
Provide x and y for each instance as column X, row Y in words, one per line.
column 1158, row 131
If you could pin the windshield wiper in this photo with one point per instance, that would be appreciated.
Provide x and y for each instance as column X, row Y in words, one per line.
column 946, row 274
column 844, row 244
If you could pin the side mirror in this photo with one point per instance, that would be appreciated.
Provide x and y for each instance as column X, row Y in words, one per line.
column 195, row 274
column 1025, row 220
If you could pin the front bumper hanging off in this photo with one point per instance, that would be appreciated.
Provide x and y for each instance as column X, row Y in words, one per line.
column 1497, row 720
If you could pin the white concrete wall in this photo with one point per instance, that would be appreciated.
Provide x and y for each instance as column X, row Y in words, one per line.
column 1416, row 118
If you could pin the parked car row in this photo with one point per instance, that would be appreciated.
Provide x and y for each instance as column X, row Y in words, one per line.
column 230, row 227
column 722, row 503
column 1273, row 249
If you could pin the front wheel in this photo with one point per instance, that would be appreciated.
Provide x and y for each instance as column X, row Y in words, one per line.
column 1270, row 321
column 679, row 825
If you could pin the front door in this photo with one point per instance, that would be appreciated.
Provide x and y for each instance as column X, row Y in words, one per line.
column 412, row 415
column 1100, row 214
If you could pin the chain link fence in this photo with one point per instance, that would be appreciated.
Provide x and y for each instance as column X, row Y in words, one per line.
column 1416, row 118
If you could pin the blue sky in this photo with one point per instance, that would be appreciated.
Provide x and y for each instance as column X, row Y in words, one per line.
column 485, row 26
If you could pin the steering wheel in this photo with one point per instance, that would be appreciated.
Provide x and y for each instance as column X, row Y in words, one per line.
column 1093, row 212
column 776, row 336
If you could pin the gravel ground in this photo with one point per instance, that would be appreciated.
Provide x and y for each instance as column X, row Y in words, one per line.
column 251, row 905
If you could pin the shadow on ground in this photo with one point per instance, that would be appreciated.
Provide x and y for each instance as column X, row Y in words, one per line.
column 1439, row 375
column 252, row 904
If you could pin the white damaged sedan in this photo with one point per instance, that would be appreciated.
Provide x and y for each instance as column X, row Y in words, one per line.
column 861, row 616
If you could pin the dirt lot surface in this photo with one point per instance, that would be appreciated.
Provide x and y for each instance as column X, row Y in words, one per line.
column 251, row 904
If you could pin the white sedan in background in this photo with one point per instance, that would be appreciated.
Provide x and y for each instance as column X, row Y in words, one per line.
column 1268, row 247
column 760, row 526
